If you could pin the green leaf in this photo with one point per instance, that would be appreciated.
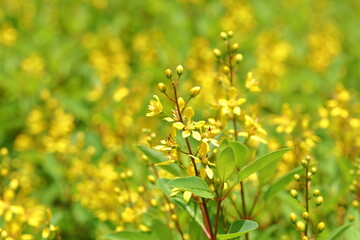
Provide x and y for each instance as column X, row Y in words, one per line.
column 158, row 157
column 161, row 231
column 239, row 228
column 191, row 207
column 281, row 183
column 339, row 231
column 261, row 162
column 241, row 153
column 192, row 184
column 225, row 163
column 129, row 235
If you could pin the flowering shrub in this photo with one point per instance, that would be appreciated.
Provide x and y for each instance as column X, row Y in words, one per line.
column 269, row 108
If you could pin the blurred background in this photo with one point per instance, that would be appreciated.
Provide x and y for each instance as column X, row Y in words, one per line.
column 76, row 78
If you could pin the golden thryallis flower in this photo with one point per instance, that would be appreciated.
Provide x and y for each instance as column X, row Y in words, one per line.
column 232, row 105
column 155, row 107
column 253, row 131
column 285, row 122
column 191, row 128
column 251, row 83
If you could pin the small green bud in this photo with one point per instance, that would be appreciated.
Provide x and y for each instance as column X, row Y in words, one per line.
column 162, row 87
column 352, row 188
column 300, row 226
column 321, row 226
column 308, row 158
column 304, row 163
column 293, row 193
column 151, row 179
column 194, row 91
column 305, row 215
column 304, row 238
column 355, row 203
column 313, row 170
column 179, row 70
column 297, row 177
column 235, row 47
column 351, row 217
column 230, row 34
column 293, row 217
column 238, row 58
column 226, row 70
column 309, row 175
column 168, row 73
column 223, row 35
column 319, row 200
column 316, row 192
column 217, row 52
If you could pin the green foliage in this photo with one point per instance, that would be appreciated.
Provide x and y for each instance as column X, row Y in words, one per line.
column 192, row 184
column 261, row 163
column 239, row 228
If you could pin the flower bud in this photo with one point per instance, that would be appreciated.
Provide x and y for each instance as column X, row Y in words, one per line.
column 309, row 175
column 226, row 70
column 355, row 203
column 316, row 192
column 174, row 217
column 305, row 215
column 321, row 226
column 179, row 70
column 293, row 193
column 217, row 52
column 297, row 177
column 223, row 35
column 151, row 179
column 162, row 87
column 304, row 163
column 304, row 238
column 238, row 58
column 313, row 170
column 168, row 73
column 230, row 33
column 293, row 217
column 308, row 158
column 300, row 226
column 235, row 47
column 319, row 200
column 351, row 217
column 194, row 91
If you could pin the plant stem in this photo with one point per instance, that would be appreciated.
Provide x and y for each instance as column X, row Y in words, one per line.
column 205, row 211
column 218, row 208
column 231, row 77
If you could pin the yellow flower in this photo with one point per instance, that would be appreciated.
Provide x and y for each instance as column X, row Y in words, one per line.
column 251, row 83
column 155, row 107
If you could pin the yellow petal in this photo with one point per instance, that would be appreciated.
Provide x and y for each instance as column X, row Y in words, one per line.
column 237, row 110
column 187, row 196
column 189, row 113
column 199, row 124
column 178, row 125
column 196, row 135
column 209, row 172
column 185, row 134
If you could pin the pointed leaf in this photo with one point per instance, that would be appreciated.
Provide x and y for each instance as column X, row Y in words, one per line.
column 261, row 162
column 191, row 208
column 225, row 163
column 338, row 232
column 239, row 228
column 192, row 184
column 158, row 157
column 282, row 182
column 241, row 153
